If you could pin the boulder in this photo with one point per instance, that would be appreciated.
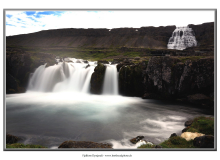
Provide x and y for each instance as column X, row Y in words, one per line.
column 188, row 123
column 189, row 135
column 85, row 61
column 158, row 146
column 84, row 144
column 185, row 129
column 87, row 66
column 11, row 139
column 206, row 141
column 135, row 140
column 173, row 135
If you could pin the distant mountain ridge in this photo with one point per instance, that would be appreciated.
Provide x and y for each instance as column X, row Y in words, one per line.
column 144, row 37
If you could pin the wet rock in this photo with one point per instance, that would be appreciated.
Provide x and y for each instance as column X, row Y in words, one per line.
column 97, row 79
column 130, row 80
column 84, row 144
column 85, row 61
column 87, row 66
column 188, row 123
column 135, row 140
column 173, row 135
column 11, row 139
column 185, row 129
column 11, row 84
column 158, row 146
column 206, row 141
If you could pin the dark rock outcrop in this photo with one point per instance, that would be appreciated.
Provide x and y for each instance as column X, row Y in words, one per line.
column 173, row 135
column 185, row 129
column 84, row 144
column 206, row 141
column 158, row 146
column 135, row 140
column 170, row 77
column 11, row 139
column 130, row 80
column 188, row 123
column 97, row 79
column 19, row 65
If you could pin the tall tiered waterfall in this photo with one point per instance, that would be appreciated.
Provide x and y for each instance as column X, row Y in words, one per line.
column 182, row 38
column 73, row 76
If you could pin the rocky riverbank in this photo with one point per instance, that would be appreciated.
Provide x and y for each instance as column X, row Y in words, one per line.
column 186, row 79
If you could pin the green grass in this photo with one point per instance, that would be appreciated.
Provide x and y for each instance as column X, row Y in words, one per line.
column 183, row 59
column 20, row 145
column 147, row 146
column 177, row 142
column 203, row 125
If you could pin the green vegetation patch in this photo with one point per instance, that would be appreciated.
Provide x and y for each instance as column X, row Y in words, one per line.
column 183, row 59
column 203, row 125
column 147, row 146
column 20, row 145
column 177, row 142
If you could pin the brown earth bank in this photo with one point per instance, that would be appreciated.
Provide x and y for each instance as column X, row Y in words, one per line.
column 144, row 37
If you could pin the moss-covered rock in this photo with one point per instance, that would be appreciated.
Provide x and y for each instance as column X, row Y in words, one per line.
column 177, row 142
column 20, row 145
column 97, row 79
column 203, row 125
column 131, row 80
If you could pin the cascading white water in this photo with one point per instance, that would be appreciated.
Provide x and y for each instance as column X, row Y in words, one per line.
column 73, row 76
column 110, row 80
column 182, row 38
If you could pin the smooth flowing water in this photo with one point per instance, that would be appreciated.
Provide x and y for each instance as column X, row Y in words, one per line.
column 58, row 107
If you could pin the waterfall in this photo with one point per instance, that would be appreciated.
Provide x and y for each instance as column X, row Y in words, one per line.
column 73, row 76
column 182, row 38
column 110, row 80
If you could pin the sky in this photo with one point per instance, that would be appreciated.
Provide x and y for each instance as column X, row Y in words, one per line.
column 29, row 21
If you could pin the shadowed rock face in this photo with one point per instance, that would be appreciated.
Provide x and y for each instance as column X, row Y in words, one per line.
column 19, row 65
column 170, row 78
column 97, row 79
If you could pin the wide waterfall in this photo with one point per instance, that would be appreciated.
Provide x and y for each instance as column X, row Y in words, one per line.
column 72, row 75
column 182, row 38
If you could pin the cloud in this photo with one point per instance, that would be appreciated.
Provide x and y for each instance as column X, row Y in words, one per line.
column 22, row 22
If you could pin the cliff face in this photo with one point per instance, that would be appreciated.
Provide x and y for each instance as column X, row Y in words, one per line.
column 19, row 65
column 170, row 78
